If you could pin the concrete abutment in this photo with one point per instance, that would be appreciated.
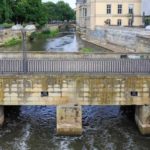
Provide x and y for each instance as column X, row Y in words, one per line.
column 1, row 115
column 69, row 120
column 142, row 118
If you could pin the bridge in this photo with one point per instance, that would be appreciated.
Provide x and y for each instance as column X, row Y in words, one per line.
column 70, row 80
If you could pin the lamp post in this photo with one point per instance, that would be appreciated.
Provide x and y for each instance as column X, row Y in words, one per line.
column 24, row 50
column 30, row 28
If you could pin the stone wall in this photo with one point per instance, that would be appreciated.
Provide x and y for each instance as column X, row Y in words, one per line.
column 8, row 34
column 131, row 39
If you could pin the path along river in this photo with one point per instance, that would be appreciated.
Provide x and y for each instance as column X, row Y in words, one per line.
column 34, row 127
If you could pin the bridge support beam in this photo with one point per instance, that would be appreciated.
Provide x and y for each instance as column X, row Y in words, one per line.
column 69, row 120
column 1, row 115
column 142, row 117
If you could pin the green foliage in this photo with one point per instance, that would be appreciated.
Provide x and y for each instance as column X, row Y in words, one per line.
column 54, row 33
column 64, row 11
column 12, row 42
column 59, row 11
column 87, row 50
column 6, row 25
column 33, row 36
column 51, row 11
column 147, row 20
column 47, row 31
column 26, row 11
column 44, row 34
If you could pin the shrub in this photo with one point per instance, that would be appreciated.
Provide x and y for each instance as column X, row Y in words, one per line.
column 12, row 42
column 6, row 25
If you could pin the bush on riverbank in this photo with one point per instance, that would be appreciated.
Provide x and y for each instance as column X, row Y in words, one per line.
column 12, row 42
column 6, row 25
column 86, row 50
column 44, row 34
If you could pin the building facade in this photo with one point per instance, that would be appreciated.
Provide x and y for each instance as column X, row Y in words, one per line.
column 93, row 13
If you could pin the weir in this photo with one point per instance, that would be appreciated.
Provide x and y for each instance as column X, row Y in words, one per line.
column 87, row 80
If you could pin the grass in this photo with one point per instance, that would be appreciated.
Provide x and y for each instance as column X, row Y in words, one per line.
column 12, row 42
column 87, row 50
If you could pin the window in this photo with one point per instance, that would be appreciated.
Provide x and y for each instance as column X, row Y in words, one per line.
column 119, row 9
column 119, row 22
column 131, row 8
column 84, row 12
column 108, row 9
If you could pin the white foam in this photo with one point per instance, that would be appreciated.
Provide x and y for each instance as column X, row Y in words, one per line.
column 21, row 143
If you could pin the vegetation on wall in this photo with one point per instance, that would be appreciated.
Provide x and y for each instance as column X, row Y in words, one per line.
column 86, row 50
column 12, row 42
column 25, row 11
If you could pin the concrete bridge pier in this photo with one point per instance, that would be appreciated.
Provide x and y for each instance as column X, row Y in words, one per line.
column 69, row 120
column 142, row 117
column 1, row 115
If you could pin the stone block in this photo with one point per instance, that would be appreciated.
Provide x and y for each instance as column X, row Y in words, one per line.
column 69, row 120
column 142, row 118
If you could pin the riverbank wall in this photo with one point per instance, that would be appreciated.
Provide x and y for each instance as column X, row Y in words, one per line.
column 120, row 39
column 8, row 34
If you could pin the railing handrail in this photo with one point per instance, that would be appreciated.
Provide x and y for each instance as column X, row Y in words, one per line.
column 91, row 66
column 78, row 53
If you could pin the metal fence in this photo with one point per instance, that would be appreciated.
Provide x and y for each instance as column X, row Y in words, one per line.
column 78, row 65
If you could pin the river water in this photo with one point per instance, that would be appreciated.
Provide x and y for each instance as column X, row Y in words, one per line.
column 34, row 127
column 105, row 128
column 64, row 43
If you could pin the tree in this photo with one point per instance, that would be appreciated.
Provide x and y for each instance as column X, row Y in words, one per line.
column 50, row 11
column 59, row 11
column 25, row 11
column 5, row 11
column 19, row 8
column 29, row 11
column 65, row 12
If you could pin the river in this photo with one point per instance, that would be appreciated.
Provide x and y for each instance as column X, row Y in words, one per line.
column 64, row 43
column 34, row 127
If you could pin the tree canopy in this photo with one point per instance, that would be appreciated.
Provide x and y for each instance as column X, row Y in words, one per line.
column 25, row 11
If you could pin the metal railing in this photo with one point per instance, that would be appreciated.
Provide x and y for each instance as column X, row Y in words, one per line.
column 76, row 65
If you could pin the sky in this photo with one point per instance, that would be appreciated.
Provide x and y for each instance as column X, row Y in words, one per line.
column 145, row 4
column 71, row 2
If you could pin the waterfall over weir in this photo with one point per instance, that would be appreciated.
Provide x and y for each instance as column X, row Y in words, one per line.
column 66, row 43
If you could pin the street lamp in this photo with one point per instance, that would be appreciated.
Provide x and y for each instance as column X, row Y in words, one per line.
column 24, row 51
column 23, row 30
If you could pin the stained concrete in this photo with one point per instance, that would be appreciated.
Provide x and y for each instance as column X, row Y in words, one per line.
column 69, row 120
column 1, row 115
column 142, row 117
column 84, row 90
